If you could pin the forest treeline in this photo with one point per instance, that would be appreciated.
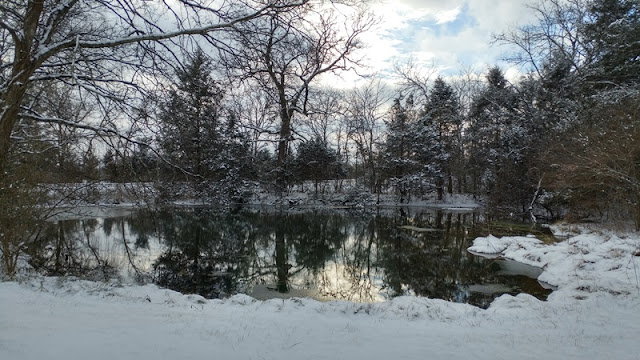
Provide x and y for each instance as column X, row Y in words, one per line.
column 241, row 94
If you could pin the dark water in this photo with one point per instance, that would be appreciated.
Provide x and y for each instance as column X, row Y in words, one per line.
column 364, row 258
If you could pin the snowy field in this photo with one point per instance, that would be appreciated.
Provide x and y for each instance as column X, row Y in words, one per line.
column 594, row 314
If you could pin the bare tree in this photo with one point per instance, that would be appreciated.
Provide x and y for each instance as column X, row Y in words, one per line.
column 365, row 113
column 258, row 118
column 467, row 84
column 601, row 168
column 284, row 53
column 325, row 109
column 414, row 80
column 556, row 33
column 106, row 49
column 103, row 55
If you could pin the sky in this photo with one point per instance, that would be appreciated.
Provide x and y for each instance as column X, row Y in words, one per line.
column 448, row 35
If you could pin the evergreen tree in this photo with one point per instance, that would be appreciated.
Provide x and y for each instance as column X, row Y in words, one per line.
column 191, row 118
column 112, row 169
column 200, row 137
column 612, row 36
column 398, row 164
column 437, row 143
column 90, row 165
column 510, row 129
column 492, row 112
column 143, row 163
column 316, row 161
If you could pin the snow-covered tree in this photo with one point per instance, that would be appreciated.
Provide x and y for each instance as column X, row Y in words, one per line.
column 398, row 164
column 492, row 113
column 197, row 133
column 106, row 50
column 191, row 119
column 611, row 35
column 438, row 137
column 283, row 54
column 316, row 161
column 572, row 107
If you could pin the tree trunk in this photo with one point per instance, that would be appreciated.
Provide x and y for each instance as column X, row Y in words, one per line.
column 440, row 187
column 8, row 119
column 24, row 66
column 6, row 126
column 638, row 215
column 59, row 245
column 283, row 149
column 281, row 263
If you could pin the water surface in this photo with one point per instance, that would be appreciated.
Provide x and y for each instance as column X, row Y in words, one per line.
column 266, row 254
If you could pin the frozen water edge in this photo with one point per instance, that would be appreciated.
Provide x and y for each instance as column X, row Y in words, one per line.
column 588, row 261
column 595, row 313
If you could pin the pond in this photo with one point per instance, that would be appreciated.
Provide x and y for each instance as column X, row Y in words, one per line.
column 267, row 254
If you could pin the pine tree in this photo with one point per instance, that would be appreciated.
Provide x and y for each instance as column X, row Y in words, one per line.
column 90, row 165
column 612, row 36
column 191, row 118
column 316, row 161
column 199, row 136
column 398, row 164
column 437, row 145
column 492, row 112
column 509, row 129
column 111, row 166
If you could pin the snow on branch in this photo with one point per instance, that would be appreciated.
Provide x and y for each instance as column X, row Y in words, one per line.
column 53, row 49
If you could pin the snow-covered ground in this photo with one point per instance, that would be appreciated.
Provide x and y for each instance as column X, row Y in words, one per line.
column 594, row 314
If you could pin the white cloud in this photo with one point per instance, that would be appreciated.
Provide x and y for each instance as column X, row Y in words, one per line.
column 446, row 16
column 402, row 33
column 430, row 5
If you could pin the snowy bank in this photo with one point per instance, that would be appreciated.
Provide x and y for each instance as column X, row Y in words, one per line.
column 595, row 314
column 586, row 262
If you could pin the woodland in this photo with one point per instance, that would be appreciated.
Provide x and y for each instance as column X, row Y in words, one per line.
column 218, row 100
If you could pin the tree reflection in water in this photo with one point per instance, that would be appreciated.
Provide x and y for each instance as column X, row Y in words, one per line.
column 354, row 257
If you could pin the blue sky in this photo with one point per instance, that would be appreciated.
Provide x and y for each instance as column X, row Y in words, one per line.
column 443, row 35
